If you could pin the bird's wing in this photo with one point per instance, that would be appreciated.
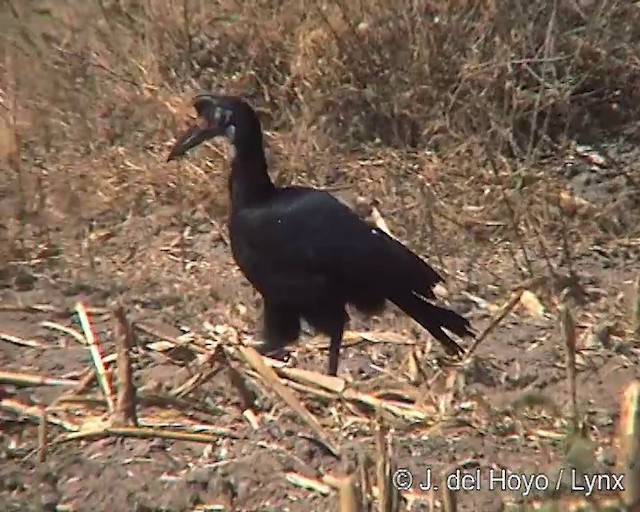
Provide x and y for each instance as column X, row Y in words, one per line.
column 307, row 237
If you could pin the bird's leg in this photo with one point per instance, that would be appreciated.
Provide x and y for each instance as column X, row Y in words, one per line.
column 274, row 352
column 281, row 327
column 334, row 351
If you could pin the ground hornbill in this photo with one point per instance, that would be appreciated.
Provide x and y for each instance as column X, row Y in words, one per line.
column 307, row 253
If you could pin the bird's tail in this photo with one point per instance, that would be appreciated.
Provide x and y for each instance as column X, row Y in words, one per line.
column 434, row 318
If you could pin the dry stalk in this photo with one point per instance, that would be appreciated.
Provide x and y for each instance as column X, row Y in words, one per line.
column 66, row 330
column 388, row 494
column 384, row 490
column 568, row 328
column 549, row 46
column 33, row 414
column 42, row 435
column 12, row 152
column 32, row 308
column 247, row 397
column 431, row 223
column 399, row 409
column 19, row 341
column 449, row 498
column 513, row 216
column 138, row 433
column 366, row 491
column 81, row 385
column 99, row 366
column 580, row 504
column 213, row 360
column 564, row 233
column 310, row 483
column 124, row 413
column 85, row 381
column 306, row 377
column 545, row 253
column 392, row 468
column 348, row 495
column 502, row 313
column 495, row 321
column 636, row 310
column 311, row 391
column 271, row 379
column 629, row 444
column 24, row 379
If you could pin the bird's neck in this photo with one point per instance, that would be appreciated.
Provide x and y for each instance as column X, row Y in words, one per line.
column 249, row 182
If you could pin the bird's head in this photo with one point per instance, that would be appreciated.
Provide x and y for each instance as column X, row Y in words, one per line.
column 228, row 116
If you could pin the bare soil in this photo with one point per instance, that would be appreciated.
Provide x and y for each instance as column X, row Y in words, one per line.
column 496, row 139
column 170, row 280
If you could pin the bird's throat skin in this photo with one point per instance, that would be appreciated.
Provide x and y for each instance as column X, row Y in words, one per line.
column 249, row 182
column 249, row 188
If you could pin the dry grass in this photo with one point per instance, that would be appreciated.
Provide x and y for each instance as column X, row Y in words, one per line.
column 454, row 117
column 469, row 83
column 387, row 400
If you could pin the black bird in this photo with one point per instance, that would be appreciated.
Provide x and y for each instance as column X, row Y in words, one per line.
column 307, row 253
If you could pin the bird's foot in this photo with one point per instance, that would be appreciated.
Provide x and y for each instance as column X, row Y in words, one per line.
column 278, row 353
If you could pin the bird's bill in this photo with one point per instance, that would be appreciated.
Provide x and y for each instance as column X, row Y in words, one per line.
column 189, row 139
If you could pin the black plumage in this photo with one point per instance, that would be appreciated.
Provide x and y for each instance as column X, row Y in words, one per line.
column 305, row 252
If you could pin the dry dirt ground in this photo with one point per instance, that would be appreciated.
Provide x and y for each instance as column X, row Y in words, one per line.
column 173, row 272
column 457, row 120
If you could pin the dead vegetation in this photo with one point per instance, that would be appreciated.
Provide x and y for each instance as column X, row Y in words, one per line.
column 495, row 137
